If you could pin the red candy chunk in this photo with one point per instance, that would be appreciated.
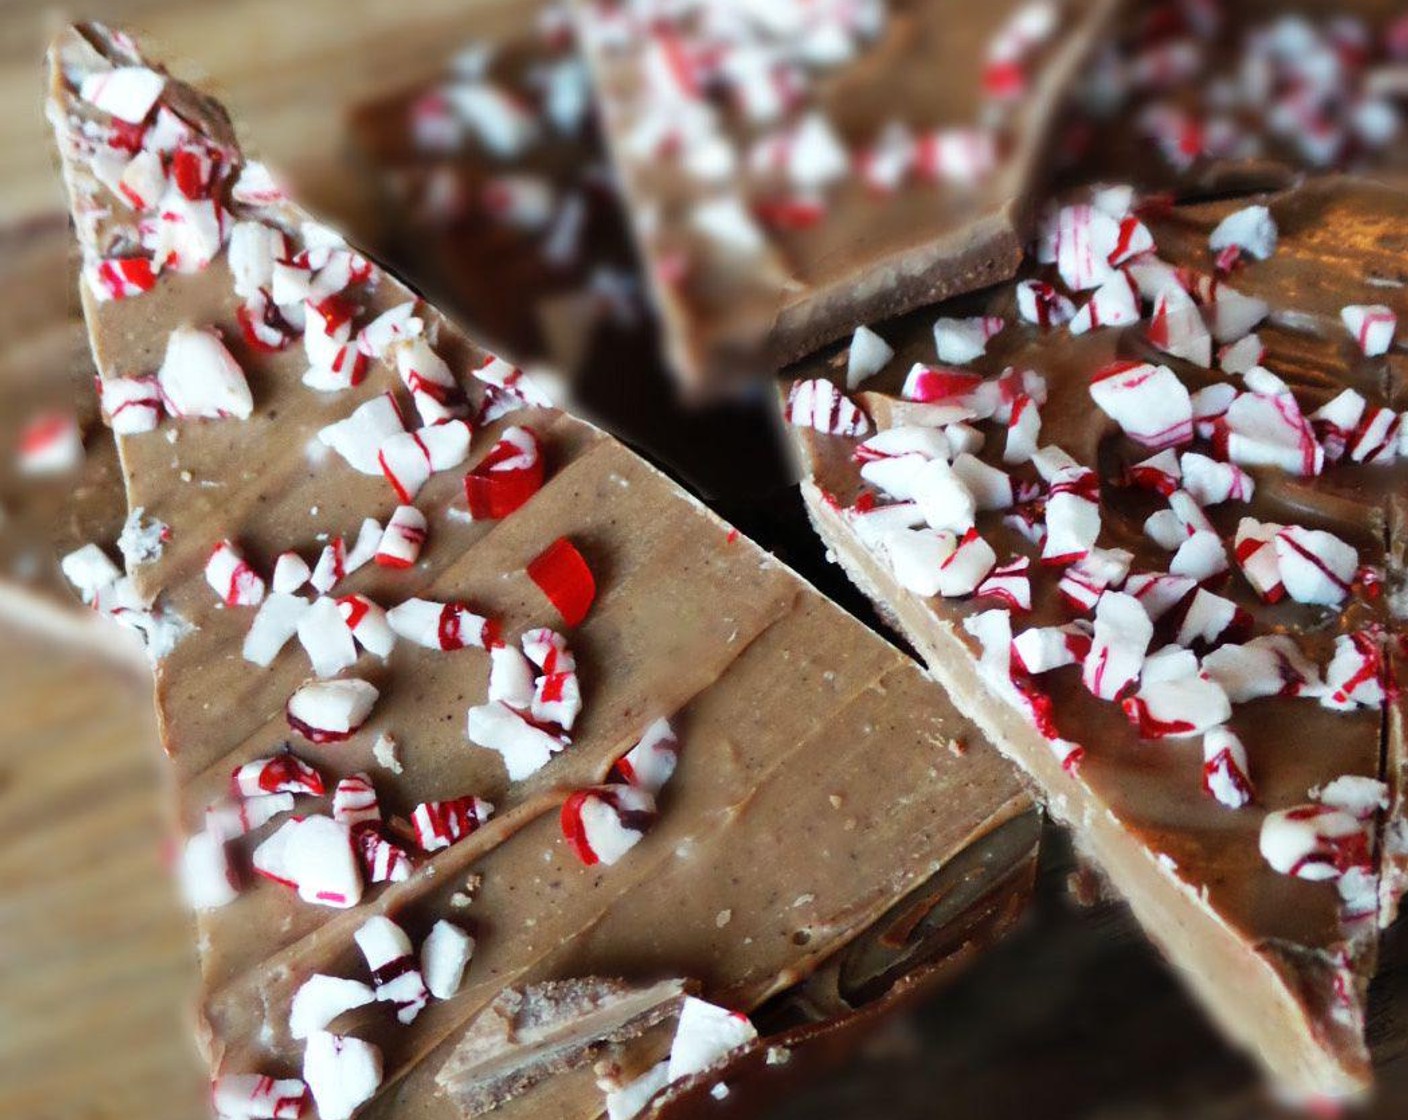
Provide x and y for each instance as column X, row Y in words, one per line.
column 510, row 474
column 563, row 576
column 284, row 773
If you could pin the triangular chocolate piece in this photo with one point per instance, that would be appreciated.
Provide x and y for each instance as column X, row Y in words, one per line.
column 795, row 169
column 822, row 778
column 1159, row 563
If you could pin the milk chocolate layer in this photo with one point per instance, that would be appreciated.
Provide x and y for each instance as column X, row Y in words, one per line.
column 1262, row 950
column 871, row 253
column 823, row 777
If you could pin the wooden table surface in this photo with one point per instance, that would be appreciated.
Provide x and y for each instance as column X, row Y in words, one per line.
column 1075, row 1016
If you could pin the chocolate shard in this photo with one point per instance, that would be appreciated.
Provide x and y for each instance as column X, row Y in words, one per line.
column 797, row 172
column 529, row 1034
column 821, row 776
column 1278, row 952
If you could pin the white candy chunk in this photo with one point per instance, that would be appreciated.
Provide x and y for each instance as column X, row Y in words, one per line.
column 1315, row 566
column 1072, row 516
column 90, row 570
column 727, row 223
column 1149, row 403
column 397, row 324
column 868, row 355
column 326, row 638
column 1172, row 663
column 1051, row 461
column 1357, row 795
column 1040, row 303
column 1164, row 528
column 916, row 557
column 291, row 572
column 630, row 1100
column 395, row 977
column 1251, row 229
column 990, row 487
column 1232, row 315
column 1200, row 557
column 510, row 678
column 651, row 762
column 125, row 92
column 705, row 1036
column 943, row 498
column 1043, row 648
column 359, row 437
column 1114, row 304
column 1085, row 238
column 1086, row 579
column 132, row 404
column 960, row 341
column 207, row 879
column 1314, row 842
column 342, row 1073
column 890, row 460
column 1210, row 482
column 330, row 711
column 1158, row 592
column 253, row 1096
column 354, row 801
column 253, row 249
column 1178, row 708
column 1121, row 639
column 1226, row 773
column 967, row 566
column 276, row 622
column 548, row 650
column 525, row 749
column 368, row 624
column 502, row 124
column 1023, row 431
column 1268, row 665
column 1242, row 355
column 230, row 577
column 321, row 999
column 232, row 819
column 1176, row 326
column 322, row 864
column 402, row 539
column 199, row 377
column 444, row 955
column 1371, row 325
column 815, row 155
column 1207, row 619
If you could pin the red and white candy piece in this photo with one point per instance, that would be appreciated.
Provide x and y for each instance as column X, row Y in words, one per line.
column 331, row 711
column 321, row 999
column 444, row 955
column 1226, row 773
column 1211, row 483
column 253, row 1096
column 119, row 277
column 199, row 378
column 1115, row 303
column 548, row 650
column 562, row 575
column 510, row 474
column 1176, row 326
column 960, row 341
column 1177, row 708
column 230, row 577
column 557, row 700
column 1372, row 327
column 651, row 762
column 1072, row 515
column 1121, row 639
column 125, row 92
column 1043, row 648
column 132, row 405
column 1040, row 303
column 867, row 356
column 396, row 979
column 819, row 405
column 408, row 459
column 314, row 856
column 50, row 444
column 253, row 250
column 510, row 383
column 1377, row 438
column 342, row 1073
column 1251, row 230
column 442, row 626
column 282, row 773
column 1149, row 403
column 1009, row 583
column 1315, row 566
column 1160, row 473
column 1355, row 676
column 433, row 386
column 1084, row 581
column 510, row 678
column 1267, row 665
column 1314, row 842
column 1023, row 431
column 231, row 819
column 603, row 823
column 402, row 539
column 354, row 800
column 384, row 860
column 439, row 824
column 1265, row 427
column 1255, row 551
column 208, row 879
column 705, row 1036
column 359, row 438
column 1085, row 239
column 525, row 747
column 368, row 624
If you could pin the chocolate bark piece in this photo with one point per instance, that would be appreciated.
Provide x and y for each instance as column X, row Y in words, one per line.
column 1281, row 963
column 531, row 247
column 815, row 788
column 795, row 171
column 1236, row 97
column 46, row 372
